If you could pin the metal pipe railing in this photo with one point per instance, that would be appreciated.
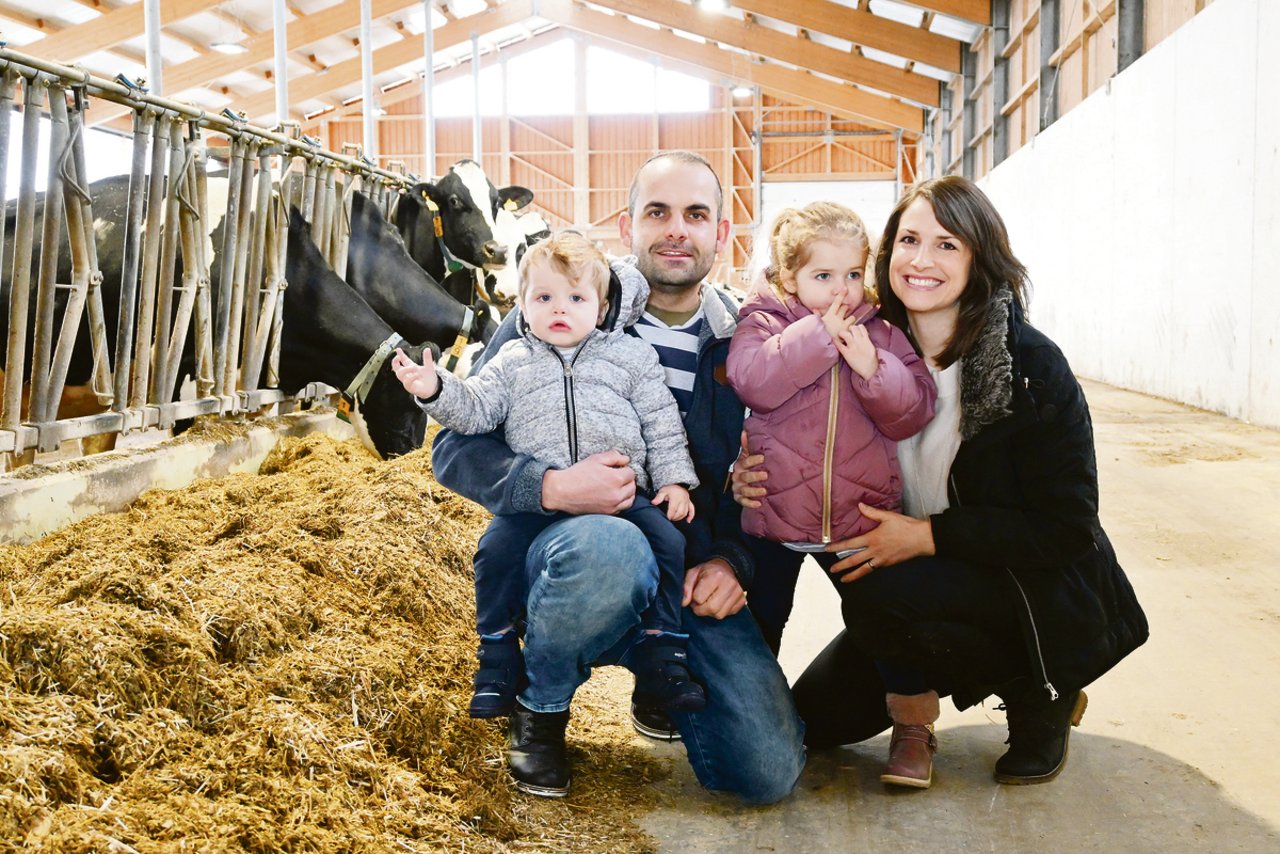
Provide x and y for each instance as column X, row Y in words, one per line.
column 165, row 224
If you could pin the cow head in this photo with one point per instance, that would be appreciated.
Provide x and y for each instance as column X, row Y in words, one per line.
column 516, row 233
column 329, row 335
column 466, row 203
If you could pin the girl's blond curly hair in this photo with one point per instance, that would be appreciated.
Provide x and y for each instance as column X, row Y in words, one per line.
column 794, row 231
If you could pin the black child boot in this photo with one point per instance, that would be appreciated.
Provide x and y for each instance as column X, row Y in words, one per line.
column 536, row 754
column 500, row 676
column 1038, row 732
column 663, row 680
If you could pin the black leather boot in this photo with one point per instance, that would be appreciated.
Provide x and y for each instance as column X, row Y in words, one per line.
column 536, row 752
column 1038, row 733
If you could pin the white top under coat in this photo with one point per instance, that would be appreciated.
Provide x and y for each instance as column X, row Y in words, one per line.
column 927, row 456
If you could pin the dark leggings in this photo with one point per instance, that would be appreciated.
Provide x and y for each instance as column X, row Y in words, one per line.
column 955, row 623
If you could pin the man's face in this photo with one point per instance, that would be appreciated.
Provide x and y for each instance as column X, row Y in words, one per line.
column 674, row 233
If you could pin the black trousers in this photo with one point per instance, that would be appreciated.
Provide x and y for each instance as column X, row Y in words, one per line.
column 955, row 623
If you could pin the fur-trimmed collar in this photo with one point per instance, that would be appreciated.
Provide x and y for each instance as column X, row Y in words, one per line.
column 986, row 372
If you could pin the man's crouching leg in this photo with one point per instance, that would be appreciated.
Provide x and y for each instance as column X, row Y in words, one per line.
column 590, row 577
column 748, row 741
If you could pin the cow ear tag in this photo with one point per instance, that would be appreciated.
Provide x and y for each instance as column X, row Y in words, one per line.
column 439, row 226
column 509, row 204
column 344, row 409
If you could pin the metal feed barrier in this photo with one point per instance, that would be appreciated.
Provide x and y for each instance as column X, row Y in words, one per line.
column 233, row 334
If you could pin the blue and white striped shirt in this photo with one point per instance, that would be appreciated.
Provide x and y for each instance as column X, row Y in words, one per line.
column 677, row 348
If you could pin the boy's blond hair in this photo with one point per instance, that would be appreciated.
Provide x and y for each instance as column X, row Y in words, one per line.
column 573, row 256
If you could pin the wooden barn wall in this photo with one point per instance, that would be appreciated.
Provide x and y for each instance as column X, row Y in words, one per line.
column 585, row 185
column 962, row 133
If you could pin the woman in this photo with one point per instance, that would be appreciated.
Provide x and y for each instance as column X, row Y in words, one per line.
column 998, row 579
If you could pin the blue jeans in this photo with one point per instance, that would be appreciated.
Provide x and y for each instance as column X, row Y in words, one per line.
column 590, row 579
column 502, row 588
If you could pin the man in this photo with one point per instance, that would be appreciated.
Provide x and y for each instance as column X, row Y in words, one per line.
column 590, row 576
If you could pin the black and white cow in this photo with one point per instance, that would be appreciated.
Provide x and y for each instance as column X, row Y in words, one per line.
column 448, row 225
column 401, row 292
column 331, row 334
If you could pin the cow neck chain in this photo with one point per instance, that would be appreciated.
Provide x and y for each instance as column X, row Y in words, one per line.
column 452, row 263
column 359, row 388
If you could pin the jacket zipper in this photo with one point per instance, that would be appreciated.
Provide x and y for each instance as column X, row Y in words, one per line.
column 829, row 452
column 1031, row 617
column 570, row 407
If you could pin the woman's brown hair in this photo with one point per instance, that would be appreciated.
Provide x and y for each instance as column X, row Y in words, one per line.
column 966, row 212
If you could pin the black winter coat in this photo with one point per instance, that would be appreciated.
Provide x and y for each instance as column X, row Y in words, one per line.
column 1024, row 501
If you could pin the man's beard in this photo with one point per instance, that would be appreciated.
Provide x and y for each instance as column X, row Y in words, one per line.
column 672, row 281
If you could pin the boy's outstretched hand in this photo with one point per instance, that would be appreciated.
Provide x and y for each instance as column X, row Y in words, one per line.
column 679, row 504
column 418, row 380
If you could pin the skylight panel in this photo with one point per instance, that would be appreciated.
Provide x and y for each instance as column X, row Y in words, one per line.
column 945, row 25
column 881, row 56
column 895, row 11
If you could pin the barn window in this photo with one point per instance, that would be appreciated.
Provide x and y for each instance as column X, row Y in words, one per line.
column 617, row 83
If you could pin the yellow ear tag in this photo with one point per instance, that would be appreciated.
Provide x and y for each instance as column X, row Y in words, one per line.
column 510, row 204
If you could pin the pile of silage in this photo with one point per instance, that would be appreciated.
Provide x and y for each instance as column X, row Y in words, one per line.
column 278, row 662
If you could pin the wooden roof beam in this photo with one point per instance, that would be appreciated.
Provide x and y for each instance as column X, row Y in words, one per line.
column 977, row 11
column 862, row 27
column 110, row 29
column 310, row 86
column 762, row 41
column 795, row 85
column 205, row 70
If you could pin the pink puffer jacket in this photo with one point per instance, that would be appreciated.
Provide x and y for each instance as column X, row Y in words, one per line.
column 825, row 450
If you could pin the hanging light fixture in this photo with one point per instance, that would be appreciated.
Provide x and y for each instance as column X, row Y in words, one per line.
column 230, row 46
column 742, row 91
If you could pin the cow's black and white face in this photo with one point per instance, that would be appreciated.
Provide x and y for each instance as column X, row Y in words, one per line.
column 468, row 203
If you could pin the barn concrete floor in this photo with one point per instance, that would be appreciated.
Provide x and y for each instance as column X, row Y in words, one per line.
column 1177, row 750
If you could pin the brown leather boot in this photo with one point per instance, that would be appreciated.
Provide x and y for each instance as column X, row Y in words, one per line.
column 912, row 745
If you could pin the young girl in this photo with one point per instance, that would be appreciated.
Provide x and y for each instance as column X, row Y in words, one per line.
column 831, row 390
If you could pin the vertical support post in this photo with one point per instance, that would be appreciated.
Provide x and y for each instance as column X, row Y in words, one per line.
column 969, row 123
column 20, row 284
column 366, row 80
column 504, row 126
column 581, row 139
column 253, row 291
column 1131, row 33
column 897, row 164
column 428, row 96
column 150, row 262
column 235, row 315
column 168, row 266
column 50, row 246
column 999, row 81
column 1048, row 73
column 477, row 133
column 280, row 62
column 227, row 267
column 143, row 124
column 155, row 61
column 947, row 144
column 757, row 156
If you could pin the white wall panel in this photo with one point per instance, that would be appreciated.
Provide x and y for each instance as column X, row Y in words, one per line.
column 1265, row 385
column 1149, row 218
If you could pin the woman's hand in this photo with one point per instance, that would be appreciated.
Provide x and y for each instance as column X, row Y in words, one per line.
column 745, row 474
column 895, row 539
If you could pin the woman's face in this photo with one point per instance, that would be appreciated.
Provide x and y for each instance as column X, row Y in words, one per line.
column 929, row 267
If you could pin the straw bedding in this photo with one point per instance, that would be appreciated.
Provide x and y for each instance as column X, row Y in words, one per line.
column 279, row 662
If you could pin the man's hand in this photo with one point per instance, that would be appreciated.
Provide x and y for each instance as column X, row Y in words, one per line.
column 418, row 380
column 745, row 474
column 679, row 504
column 602, row 483
column 712, row 590
column 895, row 539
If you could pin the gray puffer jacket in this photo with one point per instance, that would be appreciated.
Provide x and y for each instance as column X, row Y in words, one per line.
column 612, row 395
